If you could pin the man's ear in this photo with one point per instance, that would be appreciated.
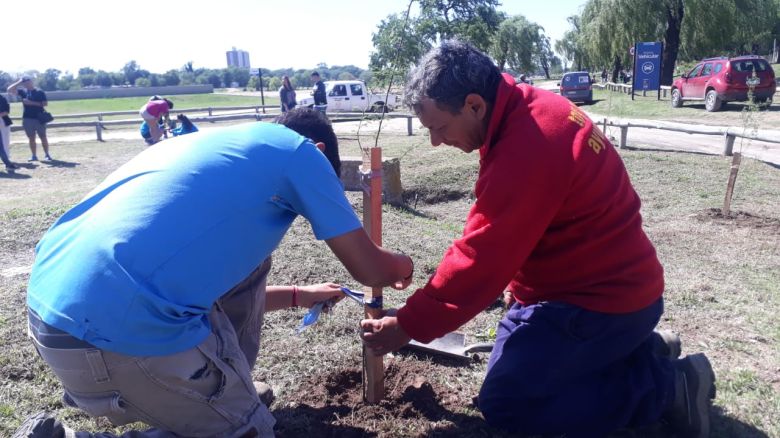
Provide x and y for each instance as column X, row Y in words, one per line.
column 476, row 105
column 321, row 146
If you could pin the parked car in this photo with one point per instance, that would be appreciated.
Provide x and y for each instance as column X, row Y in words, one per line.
column 719, row 80
column 353, row 96
column 576, row 86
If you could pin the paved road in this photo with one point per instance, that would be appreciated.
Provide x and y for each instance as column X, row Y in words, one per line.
column 648, row 138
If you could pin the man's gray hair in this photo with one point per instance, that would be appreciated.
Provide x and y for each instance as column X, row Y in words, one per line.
column 450, row 72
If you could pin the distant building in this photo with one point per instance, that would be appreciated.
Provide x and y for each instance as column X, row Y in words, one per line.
column 237, row 58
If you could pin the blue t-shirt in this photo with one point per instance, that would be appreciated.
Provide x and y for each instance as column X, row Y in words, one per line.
column 146, row 132
column 136, row 266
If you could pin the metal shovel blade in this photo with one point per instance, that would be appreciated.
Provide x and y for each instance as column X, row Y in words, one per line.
column 452, row 345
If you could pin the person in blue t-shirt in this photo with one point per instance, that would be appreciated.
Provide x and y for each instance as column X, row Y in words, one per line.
column 146, row 298
column 146, row 132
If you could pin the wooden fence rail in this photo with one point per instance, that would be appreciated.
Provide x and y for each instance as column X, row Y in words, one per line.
column 626, row 88
column 728, row 134
column 101, row 125
column 210, row 110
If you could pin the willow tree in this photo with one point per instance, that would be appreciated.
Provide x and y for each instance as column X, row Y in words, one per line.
column 727, row 27
column 571, row 46
column 609, row 28
column 522, row 46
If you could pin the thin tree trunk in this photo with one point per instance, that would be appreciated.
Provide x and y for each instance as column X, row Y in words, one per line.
column 616, row 66
column 674, row 17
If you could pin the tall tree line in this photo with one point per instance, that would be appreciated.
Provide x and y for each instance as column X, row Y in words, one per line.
column 602, row 33
column 131, row 74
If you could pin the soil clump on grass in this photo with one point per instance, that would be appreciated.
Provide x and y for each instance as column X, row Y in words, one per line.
column 740, row 219
column 332, row 405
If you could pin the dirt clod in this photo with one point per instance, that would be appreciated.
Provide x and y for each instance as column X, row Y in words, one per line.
column 740, row 219
column 333, row 405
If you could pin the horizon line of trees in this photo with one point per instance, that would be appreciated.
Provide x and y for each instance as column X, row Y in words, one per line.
column 133, row 75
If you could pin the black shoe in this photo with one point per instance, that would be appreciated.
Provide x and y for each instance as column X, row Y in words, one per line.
column 666, row 344
column 40, row 425
column 689, row 415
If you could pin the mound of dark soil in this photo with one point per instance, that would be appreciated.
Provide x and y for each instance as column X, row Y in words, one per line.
column 332, row 406
column 739, row 218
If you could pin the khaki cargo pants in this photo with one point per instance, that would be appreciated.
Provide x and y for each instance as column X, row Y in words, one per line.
column 206, row 391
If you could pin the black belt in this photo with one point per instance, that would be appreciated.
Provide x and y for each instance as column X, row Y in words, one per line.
column 52, row 337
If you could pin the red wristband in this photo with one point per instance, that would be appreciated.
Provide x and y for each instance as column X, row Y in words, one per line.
column 295, row 296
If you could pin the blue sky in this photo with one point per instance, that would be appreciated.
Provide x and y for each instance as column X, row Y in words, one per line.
column 161, row 36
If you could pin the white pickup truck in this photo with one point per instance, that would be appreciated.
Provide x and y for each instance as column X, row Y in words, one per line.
column 352, row 96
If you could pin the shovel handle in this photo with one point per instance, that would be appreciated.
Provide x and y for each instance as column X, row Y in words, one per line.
column 480, row 347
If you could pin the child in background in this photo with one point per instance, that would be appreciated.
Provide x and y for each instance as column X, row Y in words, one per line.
column 152, row 113
column 147, row 134
column 187, row 127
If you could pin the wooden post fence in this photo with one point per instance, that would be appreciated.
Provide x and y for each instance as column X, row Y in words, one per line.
column 623, row 136
column 728, row 146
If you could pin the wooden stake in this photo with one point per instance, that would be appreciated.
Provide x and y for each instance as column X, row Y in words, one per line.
column 732, row 180
column 373, row 366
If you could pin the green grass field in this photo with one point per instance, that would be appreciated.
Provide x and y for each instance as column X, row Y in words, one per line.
column 722, row 292
column 184, row 101
column 620, row 105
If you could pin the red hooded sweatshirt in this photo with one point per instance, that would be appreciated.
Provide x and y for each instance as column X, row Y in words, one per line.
column 556, row 218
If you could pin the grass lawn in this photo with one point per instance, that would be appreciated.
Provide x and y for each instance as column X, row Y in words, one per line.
column 722, row 293
column 184, row 101
column 614, row 104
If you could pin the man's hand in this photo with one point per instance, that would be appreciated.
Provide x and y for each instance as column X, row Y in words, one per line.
column 384, row 335
column 508, row 298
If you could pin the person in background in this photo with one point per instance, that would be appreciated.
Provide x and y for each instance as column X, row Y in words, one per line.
column 182, row 238
column 318, row 90
column 153, row 112
column 146, row 133
column 5, row 135
column 287, row 95
column 604, row 75
column 185, row 126
column 34, row 101
column 557, row 219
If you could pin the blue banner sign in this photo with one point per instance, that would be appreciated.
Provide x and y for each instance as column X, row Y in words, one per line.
column 647, row 66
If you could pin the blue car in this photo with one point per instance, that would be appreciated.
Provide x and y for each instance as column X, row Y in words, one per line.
column 576, row 86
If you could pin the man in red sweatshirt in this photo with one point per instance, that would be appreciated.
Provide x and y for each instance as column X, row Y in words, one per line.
column 557, row 219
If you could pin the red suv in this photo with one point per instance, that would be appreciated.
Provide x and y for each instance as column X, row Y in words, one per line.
column 719, row 80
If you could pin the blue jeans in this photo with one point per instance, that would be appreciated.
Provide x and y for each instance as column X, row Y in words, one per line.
column 4, row 157
column 557, row 368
